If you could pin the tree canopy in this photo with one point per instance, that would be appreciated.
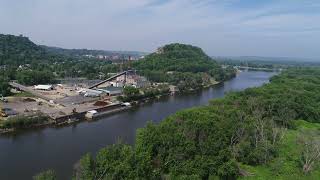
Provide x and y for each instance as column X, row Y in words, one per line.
column 243, row 128
column 16, row 50
column 184, row 65
column 23, row 60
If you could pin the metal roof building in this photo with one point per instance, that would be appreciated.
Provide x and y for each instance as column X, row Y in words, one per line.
column 43, row 87
column 111, row 91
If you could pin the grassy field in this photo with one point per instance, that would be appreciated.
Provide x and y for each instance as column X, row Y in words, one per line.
column 287, row 165
column 23, row 94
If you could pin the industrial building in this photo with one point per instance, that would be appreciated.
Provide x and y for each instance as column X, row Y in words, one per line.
column 111, row 91
column 43, row 87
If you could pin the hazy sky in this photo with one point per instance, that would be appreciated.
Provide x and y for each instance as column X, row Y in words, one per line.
column 220, row 27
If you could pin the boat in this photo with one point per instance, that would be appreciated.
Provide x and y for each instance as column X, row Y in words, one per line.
column 90, row 114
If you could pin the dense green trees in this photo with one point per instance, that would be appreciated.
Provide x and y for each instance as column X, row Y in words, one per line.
column 133, row 94
column 46, row 175
column 310, row 151
column 189, row 143
column 94, row 53
column 16, row 50
column 4, row 86
column 178, row 57
column 114, row 162
column 216, row 140
column 32, row 77
column 130, row 91
column 30, row 64
column 21, row 122
column 182, row 65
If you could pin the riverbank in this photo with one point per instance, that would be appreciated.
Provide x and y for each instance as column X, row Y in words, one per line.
column 12, row 125
column 212, row 141
column 189, row 91
column 76, row 117
column 66, row 144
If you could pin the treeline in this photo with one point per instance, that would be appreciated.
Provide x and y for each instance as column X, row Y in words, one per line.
column 134, row 94
column 17, row 55
column 4, row 87
column 22, row 122
column 212, row 141
column 185, row 66
column 268, row 63
column 182, row 65
column 30, row 64
column 46, row 73
column 83, row 52
column 32, row 77
column 16, row 50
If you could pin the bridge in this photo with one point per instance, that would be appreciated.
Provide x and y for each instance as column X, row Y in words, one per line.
column 257, row 68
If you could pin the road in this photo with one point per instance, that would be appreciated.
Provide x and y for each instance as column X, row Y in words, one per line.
column 31, row 91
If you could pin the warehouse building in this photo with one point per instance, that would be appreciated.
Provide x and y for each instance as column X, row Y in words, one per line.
column 111, row 91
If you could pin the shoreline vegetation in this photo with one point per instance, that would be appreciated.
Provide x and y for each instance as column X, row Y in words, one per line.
column 266, row 132
column 21, row 122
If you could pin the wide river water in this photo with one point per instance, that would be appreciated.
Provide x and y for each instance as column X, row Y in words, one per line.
column 26, row 153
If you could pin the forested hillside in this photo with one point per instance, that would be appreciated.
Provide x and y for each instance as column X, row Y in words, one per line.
column 182, row 65
column 261, row 132
column 82, row 52
column 28, row 63
column 186, row 66
column 178, row 57
column 17, row 50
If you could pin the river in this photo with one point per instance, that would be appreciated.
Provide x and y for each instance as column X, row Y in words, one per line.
column 28, row 152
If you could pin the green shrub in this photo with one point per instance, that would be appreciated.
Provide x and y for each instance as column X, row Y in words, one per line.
column 20, row 122
column 46, row 175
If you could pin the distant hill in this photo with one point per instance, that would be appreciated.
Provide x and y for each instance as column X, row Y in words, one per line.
column 180, row 59
column 262, row 58
column 83, row 52
column 274, row 61
column 19, row 50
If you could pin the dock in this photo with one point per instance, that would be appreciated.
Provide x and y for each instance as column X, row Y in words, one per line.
column 102, row 111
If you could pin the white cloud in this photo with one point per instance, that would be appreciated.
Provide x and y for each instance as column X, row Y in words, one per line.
column 218, row 26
